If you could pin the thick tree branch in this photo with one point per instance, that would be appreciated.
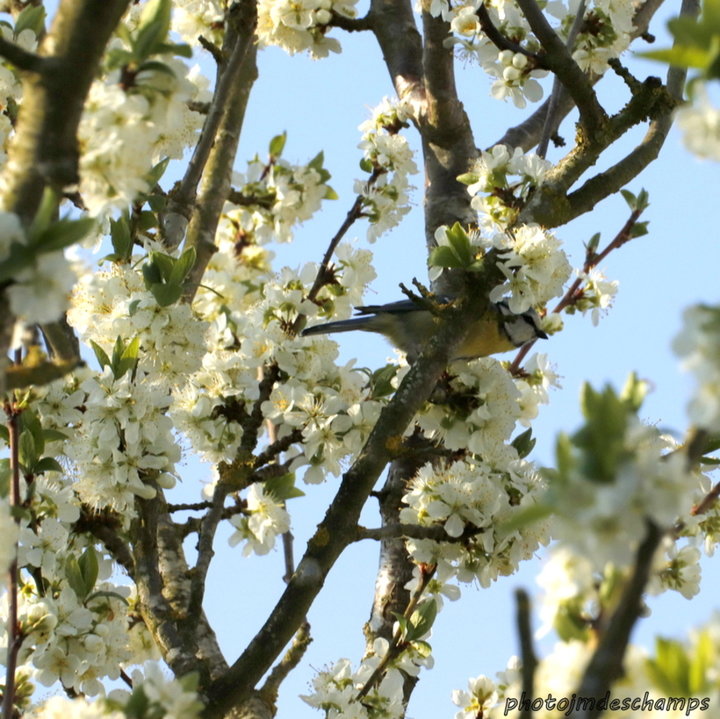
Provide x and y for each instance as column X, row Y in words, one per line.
column 393, row 23
column 162, row 576
column 214, row 153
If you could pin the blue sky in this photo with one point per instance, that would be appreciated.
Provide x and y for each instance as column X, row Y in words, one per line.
column 320, row 104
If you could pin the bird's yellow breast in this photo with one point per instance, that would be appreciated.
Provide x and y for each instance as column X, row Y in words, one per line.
column 484, row 338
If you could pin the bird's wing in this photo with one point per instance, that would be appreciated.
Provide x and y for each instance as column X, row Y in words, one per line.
column 393, row 307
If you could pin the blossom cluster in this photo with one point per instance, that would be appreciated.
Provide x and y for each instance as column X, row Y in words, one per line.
column 193, row 18
column 337, row 690
column 78, row 626
column 157, row 694
column 388, row 155
column 607, row 519
column 128, row 128
column 298, row 26
column 501, row 181
column 272, row 197
column 604, row 34
column 699, row 123
column 474, row 500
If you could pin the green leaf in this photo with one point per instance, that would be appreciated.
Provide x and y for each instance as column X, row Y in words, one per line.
column 46, row 212
column 153, row 177
column 524, row 517
column 48, row 464
column 88, row 564
column 138, row 705
column 121, row 239
column 53, row 435
column 4, row 434
column 28, row 451
column 443, row 256
column 524, row 443
column 630, row 198
column 31, row 18
column 639, row 229
column 381, row 381
column 151, row 274
column 63, row 233
column 283, row 487
column 183, row 266
column 277, row 145
column 173, row 48
column 366, row 165
column 681, row 56
column 593, row 243
column 164, row 263
column 155, row 66
column 166, row 295
column 634, row 392
column 128, row 360
column 468, row 178
column 75, row 577
column 153, row 28
column 460, row 242
column 100, row 354
column 422, row 619
column 107, row 594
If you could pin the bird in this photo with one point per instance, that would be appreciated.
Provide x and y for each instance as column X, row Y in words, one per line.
column 409, row 327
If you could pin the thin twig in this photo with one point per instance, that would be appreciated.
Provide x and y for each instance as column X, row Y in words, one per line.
column 557, row 89
column 573, row 294
column 14, row 636
column 500, row 41
column 290, row 660
column 527, row 651
column 397, row 643
column 354, row 214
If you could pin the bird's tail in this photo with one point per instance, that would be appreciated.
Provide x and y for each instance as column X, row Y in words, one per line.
column 340, row 326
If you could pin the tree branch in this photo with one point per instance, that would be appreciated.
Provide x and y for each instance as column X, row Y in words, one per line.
column 527, row 134
column 498, row 39
column 606, row 664
column 44, row 149
column 21, row 58
column 560, row 61
column 338, row 528
column 214, row 154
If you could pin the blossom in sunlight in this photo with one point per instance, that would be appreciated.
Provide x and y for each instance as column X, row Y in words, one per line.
column 298, row 25
column 265, row 519
column 480, row 696
column 535, row 267
column 40, row 293
column 385, row 150
column 73, row 708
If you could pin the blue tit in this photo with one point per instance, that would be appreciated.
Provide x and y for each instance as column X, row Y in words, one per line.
column 409, row 327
